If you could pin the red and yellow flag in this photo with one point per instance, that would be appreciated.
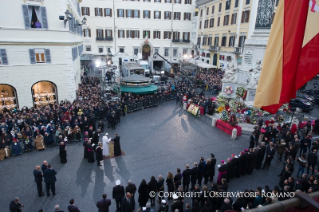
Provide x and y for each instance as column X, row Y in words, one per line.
column 292, row 53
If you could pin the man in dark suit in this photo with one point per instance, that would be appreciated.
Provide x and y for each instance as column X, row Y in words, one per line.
column 270, row 152
column 194, row 174
column 44, row 166
column 252, row 140
column 118, row 194
column 312, row 161
column 72, row 207
column 38, row 178
column 49, row 179
column 127, row 205
column 186, row 178
column 104, row 204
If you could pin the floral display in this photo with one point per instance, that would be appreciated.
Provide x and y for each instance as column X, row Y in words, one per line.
column 241, row 92
column 233, row 120
column 279, row 118
column 224, row 116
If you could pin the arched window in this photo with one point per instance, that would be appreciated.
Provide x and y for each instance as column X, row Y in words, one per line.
column 8, row 97
column 208, row 55
column 44, row 93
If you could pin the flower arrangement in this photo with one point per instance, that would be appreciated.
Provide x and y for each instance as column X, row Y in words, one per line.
column 228, row 90
column 220, row 109
column 240, row 92
column 285, row 108
column 232, row 120
column 224, row 116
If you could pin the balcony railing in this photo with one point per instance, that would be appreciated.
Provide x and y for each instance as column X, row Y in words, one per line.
column 186, row 41
column 214, row 48
column 176, row 40
column 238, row 50
column 104, row 39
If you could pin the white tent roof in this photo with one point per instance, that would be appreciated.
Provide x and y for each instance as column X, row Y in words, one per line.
column 201, row 64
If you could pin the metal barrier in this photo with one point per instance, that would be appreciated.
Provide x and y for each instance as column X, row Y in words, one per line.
column 134, row 106
column 156, row 102
column 167, row 97
column 129, row 108
column 151, row 102
column 139, row 105
column 301, row 201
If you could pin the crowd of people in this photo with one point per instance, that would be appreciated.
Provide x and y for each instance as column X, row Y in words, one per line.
column 211, row 78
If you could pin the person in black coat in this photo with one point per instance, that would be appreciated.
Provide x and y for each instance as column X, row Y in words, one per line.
column 252, row 140
column 90, row 152
column 127, row 205
column 15, row 206
column 207, row 171
column 186, row 178
column 72, row 207
column 98, row 153
column 86, row 153
column 213, row 164
column 143, row 194
column 103, row 204
column 178, row 179
column 312, row 161
column 38, row 178
column 201, row 167
column 49, row 179
column 118, row 194
column 160, row 188
column 152, row 187
column 234, row 161
column 170, row 184
column 44, row 166
column 117, row 145
column 194, row 174
column 270, row 152
column 62, row 148
column 239, row 166
column 95, row 139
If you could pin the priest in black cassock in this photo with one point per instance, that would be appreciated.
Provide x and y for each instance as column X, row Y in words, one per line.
column 229, row 169
column 222, row 171
column 240, row 164
column 90, row 152
column 98, row 153
column 213, row 164
column 117, row 146
column 62, row 149
column 234, row 160
column 86, row 153
column 95, row 139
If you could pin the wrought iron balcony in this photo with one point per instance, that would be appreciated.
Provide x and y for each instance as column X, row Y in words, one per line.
column 176, row 40
column 214, row 48
column 109, row 38
column 99, row 38
column 238, row 50
column 186, row 41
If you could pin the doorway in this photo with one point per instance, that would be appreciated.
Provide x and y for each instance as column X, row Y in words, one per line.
column 215, row 60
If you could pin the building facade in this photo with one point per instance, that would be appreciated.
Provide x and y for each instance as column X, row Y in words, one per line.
column 223, row 28
column 40, row 46
column 133, row 27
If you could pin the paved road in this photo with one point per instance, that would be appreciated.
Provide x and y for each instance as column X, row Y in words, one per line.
column 155, row 140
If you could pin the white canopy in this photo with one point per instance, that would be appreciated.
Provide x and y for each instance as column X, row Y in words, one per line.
column 201, row 64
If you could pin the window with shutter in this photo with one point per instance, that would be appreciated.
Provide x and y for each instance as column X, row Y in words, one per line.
column 236, row 3
column 27, row 22
column 3, row 57
column 226, row 19
column 47, row 55
column 220, row 7
column 95, row 9
column 200, row 24
column 218, row 21
column 227, row 5
column 213, row 9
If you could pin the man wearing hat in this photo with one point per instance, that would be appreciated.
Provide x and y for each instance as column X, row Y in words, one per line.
column 118, row 194
column 176, row 203
column 164, row 206
column 106, row 141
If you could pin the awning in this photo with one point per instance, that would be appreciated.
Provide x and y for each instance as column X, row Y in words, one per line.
column 201, row 64
column 139, row 90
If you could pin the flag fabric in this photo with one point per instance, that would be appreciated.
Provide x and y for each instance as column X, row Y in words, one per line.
column 291, row 57
column 146, row 36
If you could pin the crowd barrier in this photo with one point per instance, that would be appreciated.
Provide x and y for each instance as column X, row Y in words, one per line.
column 151, row 102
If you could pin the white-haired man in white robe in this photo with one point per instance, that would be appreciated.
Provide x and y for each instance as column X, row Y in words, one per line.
column 106, row 141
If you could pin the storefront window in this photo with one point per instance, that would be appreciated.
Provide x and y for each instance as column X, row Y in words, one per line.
column 44, row 93
column 8, row 98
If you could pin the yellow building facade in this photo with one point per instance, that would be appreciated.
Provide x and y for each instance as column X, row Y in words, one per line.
column 223, row 28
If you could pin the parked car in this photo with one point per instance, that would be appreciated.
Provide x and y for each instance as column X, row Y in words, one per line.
column 305, row 97
column 303, row 104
